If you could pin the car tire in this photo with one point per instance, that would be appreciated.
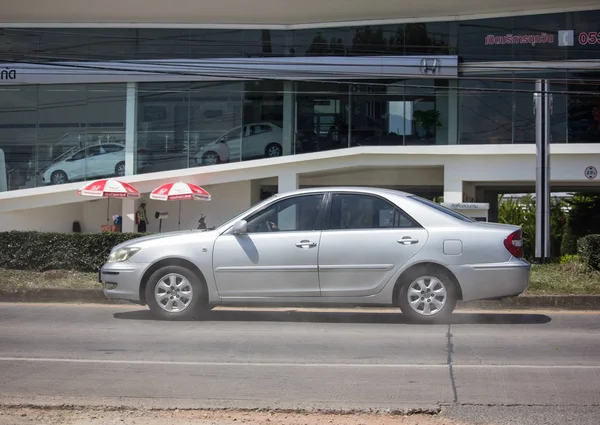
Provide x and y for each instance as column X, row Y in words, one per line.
column 175, row 293
column 59, row 177
column 120, row 169
column 427, row 296
column 210, row 158
column 273, row 150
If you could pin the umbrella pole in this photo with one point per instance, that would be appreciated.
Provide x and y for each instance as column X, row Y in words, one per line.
column 179, row 219
column 108, row 210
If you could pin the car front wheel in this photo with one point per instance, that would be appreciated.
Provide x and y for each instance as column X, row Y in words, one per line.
column 175, row 293
column 59, row 177
column 427, row 297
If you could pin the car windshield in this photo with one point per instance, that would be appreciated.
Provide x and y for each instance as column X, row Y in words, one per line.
column 443, row 209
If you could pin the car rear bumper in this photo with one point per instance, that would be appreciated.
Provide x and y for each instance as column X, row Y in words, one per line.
column 121, row 281
column 493, row 280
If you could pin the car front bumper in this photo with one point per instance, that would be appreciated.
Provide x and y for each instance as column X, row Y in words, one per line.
column 121, row 281
column 494, row 280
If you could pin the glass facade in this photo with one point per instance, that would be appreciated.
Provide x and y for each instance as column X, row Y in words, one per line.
column 55, row 133
column 46, row 130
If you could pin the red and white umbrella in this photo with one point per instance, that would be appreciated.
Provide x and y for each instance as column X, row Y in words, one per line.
column 109, row 188
column 180, row 191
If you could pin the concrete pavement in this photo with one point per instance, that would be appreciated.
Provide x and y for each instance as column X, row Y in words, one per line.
column 118, row 355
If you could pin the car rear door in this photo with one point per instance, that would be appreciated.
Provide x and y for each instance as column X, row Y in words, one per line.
column 365, row 240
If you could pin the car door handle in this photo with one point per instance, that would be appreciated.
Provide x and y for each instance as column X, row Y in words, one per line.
column 407, row 240
column 306, row 244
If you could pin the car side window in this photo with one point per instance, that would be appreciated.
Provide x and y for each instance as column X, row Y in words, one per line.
column 299, row 213
column 94, row 151
column 113, row 148
column 78, row 155
column 358, row 211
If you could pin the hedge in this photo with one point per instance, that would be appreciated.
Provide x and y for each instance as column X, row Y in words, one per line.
column 41, row 251
column 588, row 249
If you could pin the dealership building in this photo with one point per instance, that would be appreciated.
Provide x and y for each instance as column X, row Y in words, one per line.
column 247, row 98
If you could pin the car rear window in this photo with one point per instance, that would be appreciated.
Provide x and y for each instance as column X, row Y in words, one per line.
column 443, row 209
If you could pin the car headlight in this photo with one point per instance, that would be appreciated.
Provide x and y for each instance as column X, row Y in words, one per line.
column 122, row 254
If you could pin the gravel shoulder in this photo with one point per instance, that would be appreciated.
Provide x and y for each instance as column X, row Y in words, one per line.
column 31, row 415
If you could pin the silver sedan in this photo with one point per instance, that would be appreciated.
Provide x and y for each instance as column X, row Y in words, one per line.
column 327, row 246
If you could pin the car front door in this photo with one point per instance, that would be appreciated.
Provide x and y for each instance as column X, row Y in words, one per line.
column 234, row 142
column 277, row 256
column 366, row 240
column 75, row 166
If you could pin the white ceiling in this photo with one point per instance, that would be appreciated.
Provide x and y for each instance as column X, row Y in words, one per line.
column 267, row 13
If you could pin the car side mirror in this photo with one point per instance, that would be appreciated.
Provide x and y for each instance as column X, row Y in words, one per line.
column 240, row 227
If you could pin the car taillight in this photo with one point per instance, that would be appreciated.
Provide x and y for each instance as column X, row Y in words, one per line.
column 514, row 244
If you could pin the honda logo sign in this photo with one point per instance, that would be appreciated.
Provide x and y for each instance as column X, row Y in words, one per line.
column 430, row 66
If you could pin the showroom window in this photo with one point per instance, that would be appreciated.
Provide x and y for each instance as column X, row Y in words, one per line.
column 184, row 125
column 496, row 111
column 42, row 126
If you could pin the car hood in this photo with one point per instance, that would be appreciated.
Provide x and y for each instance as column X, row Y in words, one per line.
column 144, row 240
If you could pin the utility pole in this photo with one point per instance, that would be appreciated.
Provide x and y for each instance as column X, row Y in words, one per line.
column 542, row 107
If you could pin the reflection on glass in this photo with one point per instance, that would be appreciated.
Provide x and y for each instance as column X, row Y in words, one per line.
column 496, row 112
column 43, row 127
column 195, row 124
column 186, row 124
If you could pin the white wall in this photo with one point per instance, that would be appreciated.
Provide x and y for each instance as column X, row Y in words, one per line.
column 432, row 176
column 50, row 219
column 234, row 187
column 227, row 201
column 95, row 213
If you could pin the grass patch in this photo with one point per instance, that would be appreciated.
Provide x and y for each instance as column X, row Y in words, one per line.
column 52, row 279
column 570, row 278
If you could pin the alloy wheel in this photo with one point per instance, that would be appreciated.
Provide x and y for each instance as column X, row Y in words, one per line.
column 427, row 295
column 173, row 293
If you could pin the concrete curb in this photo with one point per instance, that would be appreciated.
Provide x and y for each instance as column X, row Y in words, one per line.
column 96, row 296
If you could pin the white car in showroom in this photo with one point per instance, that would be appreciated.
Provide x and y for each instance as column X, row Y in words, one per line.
column 101, row 160
column 250, row 141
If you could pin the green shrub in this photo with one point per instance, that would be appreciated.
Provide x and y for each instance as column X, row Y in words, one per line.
column 569, row 258
column 588, row 248
column 569, row 240
column 41, row 251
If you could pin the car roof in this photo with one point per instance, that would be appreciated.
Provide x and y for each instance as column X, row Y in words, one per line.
column 361, row 189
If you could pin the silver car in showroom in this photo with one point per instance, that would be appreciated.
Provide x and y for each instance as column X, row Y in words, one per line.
column 340, row 246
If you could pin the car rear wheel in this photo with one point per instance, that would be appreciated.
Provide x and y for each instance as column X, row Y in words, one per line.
column 120, row 169
column 175, row 293
column 427, row 297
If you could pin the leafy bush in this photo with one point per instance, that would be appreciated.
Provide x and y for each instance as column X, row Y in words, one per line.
column 584, row 214
column 41, row 251
column 521, row 212
column 569, row 240
column 569, row 258
column 588, row 248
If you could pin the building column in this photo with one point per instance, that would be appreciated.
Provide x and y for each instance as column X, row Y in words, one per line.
column 491, row 197
column 128, row 206
column 128, row 210
column 453, row 185
column 287, row 182
column 131, row 130
column 289, row 117
column 453, row 117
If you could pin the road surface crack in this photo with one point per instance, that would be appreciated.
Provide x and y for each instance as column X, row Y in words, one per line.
column 450, row 349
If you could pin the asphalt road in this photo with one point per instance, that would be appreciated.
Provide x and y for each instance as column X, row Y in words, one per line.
column 119, row 355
